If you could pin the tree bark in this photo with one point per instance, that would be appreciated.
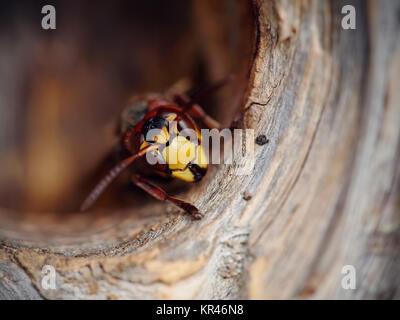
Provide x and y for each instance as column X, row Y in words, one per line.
column 323, row 192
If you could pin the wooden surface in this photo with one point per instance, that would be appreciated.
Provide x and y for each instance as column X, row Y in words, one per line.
column 324, row 189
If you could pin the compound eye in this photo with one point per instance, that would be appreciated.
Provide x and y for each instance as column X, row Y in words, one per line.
column 156, row 130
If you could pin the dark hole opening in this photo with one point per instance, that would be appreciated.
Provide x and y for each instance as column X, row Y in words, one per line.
column 61, row 91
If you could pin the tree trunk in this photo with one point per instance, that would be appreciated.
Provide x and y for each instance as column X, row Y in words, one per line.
column 323, row 192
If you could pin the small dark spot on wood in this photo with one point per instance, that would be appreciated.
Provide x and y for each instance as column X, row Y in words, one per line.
column 246, row 196
column 261, row 140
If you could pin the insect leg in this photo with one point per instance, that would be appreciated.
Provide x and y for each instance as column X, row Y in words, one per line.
column 160, row 194
column 196, row 111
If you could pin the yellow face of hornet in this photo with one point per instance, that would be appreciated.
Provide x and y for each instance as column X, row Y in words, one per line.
column 186, row 160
